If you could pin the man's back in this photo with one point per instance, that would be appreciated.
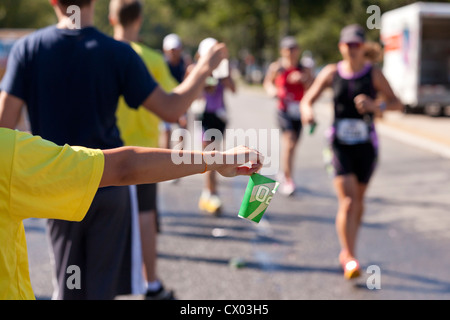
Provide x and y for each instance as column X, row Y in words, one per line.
column 71, row 81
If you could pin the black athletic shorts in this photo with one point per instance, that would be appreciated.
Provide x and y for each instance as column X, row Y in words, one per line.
column 100, row 246
column 147, row 194
column 358, row 159
column 287, row 123
column 212, row 121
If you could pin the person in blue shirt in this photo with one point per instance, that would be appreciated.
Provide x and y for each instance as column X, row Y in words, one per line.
column 71, row 80
column 173, row 53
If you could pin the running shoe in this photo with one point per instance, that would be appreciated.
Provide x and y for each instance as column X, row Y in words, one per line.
column 210, row 203
column 351, row 269
column 287, row 188
column 203, row 201
column 161, row 294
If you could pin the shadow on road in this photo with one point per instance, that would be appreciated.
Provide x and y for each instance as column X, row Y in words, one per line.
column 422, row 284
column 272, row 267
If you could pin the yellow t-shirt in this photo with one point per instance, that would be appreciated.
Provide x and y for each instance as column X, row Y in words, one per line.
column 140, row 127
column 39, row 179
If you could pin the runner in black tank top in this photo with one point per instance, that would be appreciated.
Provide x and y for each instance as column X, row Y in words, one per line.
column 347, row 87
column 353, row 139
column 353, row 145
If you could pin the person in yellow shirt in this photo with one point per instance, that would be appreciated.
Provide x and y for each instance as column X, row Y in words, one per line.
column 140, row 127
column 39, row 179
column 88, row 71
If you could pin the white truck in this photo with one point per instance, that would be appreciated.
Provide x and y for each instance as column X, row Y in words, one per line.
column 416, row 42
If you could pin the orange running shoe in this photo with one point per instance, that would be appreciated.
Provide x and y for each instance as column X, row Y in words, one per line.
column 351, row 269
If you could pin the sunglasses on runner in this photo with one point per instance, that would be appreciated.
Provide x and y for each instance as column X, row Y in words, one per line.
column 354, row 45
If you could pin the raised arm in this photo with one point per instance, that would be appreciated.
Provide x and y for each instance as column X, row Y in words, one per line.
column 171, row 106
column 135, row 165
column 268, row 84
column 388, row 96
column 387, row 100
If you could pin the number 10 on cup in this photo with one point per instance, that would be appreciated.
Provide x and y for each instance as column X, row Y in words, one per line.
column 260, row 191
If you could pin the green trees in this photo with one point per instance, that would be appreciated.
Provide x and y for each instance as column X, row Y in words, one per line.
column 254, row 26
column 26, row 14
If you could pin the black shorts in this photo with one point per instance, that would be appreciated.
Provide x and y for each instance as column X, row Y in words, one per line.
column 212, row 121
column 286, row 123
column 147, row 201
column 147, row 197
column 101, row 246
column 360, row 160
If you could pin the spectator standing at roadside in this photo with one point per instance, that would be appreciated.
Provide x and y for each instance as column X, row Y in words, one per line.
column 173, row 55
column 71, row 80
column 140, row 127
column 42, row 180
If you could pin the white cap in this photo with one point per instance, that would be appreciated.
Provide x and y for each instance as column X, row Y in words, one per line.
column 172, row 41
column 206, row 45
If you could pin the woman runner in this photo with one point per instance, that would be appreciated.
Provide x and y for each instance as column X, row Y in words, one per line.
column 353, row 140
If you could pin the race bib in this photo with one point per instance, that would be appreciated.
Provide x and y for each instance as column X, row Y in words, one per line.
column 352, row 131
column 293, row 110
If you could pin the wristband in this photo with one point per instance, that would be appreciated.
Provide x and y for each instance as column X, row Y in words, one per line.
column 382, row 106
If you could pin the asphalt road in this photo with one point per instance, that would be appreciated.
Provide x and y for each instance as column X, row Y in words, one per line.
column 292, row 253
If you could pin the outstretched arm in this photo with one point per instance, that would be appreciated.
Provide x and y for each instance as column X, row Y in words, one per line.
column 136, row 165
column 171, row 106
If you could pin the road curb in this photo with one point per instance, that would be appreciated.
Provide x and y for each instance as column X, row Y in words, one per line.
column 417, row 140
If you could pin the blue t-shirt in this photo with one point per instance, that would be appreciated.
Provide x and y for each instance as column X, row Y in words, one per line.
column 178, row 71
column 71, row 81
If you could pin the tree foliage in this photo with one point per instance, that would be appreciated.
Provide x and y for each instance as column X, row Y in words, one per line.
column 246, row 26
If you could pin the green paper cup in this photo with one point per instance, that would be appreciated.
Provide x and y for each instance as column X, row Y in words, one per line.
column 257, row 197
column 312, row 128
